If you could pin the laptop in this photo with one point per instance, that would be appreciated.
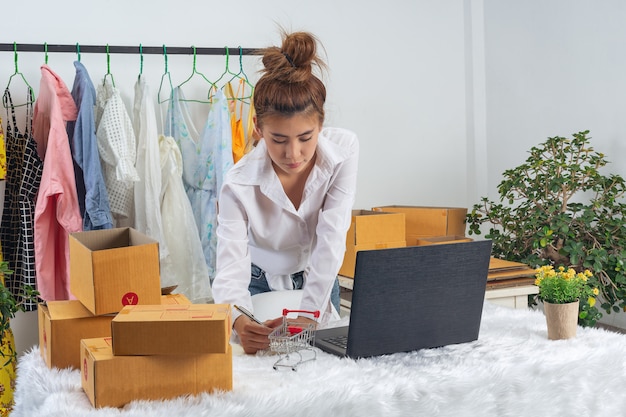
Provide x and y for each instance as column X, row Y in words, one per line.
column 411, row 298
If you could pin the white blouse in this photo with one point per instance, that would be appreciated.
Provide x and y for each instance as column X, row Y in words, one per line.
column 258, row 223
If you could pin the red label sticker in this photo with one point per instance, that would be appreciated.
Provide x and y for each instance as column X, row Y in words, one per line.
column 85, row 368
column 130, row 299
column 45, row 338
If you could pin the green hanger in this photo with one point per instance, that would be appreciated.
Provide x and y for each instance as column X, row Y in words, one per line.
column 227, row 69
column 108, row 74
column 78, row 51
column 31, row 93
column 45, row 49
column 140, row 61
column 166, row 73
column 194, row 72
column 242, row 75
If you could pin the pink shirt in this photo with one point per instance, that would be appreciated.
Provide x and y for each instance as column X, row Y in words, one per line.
column 57, row 213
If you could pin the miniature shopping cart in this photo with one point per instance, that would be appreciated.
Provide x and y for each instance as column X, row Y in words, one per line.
column 294, row 342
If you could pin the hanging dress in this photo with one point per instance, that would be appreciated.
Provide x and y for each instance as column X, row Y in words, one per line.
column 206, row 160
column 118, row 152
column 57, row 212
column 236, row 120
column 184, row 265
column 92, row 193
column 22, row 183
column 147, row 191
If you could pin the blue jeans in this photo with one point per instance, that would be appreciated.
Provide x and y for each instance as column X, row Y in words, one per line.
column 258, row 284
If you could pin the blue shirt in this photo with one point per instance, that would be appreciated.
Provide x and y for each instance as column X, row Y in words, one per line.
column 92, row 194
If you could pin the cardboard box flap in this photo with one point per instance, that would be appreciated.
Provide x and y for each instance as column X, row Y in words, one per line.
column 67, row 309
column 374, row 227
column 110, row 239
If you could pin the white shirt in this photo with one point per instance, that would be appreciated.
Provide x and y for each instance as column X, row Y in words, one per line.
column 257, row 223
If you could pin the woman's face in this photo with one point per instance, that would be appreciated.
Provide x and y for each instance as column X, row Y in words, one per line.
column 291, row 142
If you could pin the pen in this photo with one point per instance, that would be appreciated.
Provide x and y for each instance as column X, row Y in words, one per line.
column 247, row 314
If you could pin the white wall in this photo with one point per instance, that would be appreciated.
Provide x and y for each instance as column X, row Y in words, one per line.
column 554, row 68
column 397, row 74
column 444, row 94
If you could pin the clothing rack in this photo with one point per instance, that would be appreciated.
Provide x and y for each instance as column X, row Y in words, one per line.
column 116, row 49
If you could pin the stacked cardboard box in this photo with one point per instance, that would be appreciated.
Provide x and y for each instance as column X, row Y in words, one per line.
column 503, row 274
column 159, row 352
column 398, row 226
column 115, row 271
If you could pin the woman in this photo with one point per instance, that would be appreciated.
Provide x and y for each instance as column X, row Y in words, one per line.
column 285, row 207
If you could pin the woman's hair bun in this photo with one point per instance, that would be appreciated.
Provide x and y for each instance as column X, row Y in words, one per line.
column 294, row 60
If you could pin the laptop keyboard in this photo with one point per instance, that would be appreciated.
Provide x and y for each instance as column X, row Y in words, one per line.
column 340, row 341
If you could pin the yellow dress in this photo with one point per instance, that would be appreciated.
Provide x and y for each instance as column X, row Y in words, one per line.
column 236, row 124
column 8, row 364
column 8, row 368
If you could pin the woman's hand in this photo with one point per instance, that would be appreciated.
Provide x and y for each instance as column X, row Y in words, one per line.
column 254, row 336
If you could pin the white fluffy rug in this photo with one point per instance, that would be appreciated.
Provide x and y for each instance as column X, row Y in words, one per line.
column 512, row 370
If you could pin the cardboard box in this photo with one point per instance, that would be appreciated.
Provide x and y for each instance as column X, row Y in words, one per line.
column 172, row 329
column 62, row 324
column 175, row 299
column 438, row 240
column 371, row 230
column 429, row 221
column 113, row 268
column 113, row 381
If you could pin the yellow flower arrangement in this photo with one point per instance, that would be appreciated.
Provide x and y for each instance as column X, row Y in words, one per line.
column 563, row 286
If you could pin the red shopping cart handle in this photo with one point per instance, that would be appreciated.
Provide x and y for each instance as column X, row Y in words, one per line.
column 315, row 313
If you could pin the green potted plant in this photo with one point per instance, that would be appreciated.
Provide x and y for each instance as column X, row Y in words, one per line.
column 9, row 306
column 557, row 208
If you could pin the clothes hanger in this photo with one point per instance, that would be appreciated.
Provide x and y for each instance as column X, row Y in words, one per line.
column 242, row 75
column 45, row 50
column 227, row 68
column 196, row 72
column 78, row 51
column 31, row 94
column 108, row 74
column 166, row 73
column 140, row 61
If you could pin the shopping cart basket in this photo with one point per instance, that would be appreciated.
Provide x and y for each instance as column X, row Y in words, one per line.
column 294, row 342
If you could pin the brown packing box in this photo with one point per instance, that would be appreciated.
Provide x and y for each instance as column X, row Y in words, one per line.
column 113, row 381
column 62, row 324
column 438, row 240
column 371, row 230
column 172, row 330
column 114, row 267
column 422, row 221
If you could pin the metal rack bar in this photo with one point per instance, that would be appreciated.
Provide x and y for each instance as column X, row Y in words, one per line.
column 117, row 49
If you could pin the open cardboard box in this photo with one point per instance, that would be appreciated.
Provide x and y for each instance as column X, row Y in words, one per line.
column 371, row 230
column 423, row 221
column 114, row 267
